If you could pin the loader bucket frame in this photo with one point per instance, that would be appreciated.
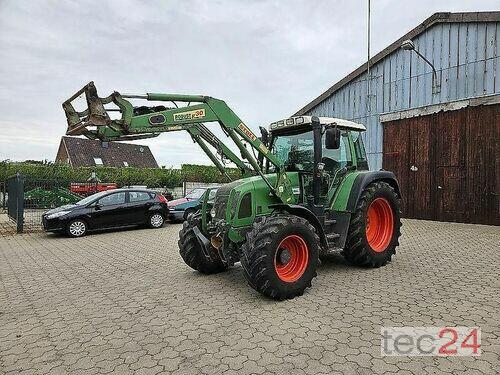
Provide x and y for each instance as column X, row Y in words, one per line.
column 94, row 115
column 95, row 123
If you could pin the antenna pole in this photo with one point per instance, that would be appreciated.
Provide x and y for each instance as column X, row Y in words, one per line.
column 368, row 97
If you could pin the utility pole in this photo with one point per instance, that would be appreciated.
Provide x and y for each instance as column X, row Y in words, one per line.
column 368, row 77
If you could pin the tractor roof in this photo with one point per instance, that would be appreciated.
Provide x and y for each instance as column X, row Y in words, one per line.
column 304, row 120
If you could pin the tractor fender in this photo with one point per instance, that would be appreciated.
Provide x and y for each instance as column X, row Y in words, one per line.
column 362, row 180
column 305, row 213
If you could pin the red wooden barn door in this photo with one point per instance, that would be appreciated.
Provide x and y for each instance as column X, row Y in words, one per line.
column 450, row 185
column 396, row 157
column 447, row 164
column 406, row 153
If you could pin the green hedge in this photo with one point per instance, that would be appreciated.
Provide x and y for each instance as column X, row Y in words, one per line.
column 207, row 173
column 152, row 177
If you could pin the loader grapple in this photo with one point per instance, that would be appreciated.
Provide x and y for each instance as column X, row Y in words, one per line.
column 94, row 115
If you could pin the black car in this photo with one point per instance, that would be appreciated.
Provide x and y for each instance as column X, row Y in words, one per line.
column 108, row 209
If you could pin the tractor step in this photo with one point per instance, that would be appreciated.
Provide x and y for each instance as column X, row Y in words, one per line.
column 332, row 237
column 330, row 222
column 332, row 251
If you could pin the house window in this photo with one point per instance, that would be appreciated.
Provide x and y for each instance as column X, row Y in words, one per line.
column 98, row 161
column 125, row 163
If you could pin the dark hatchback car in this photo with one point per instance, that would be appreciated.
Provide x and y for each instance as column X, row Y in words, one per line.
column 108, row 209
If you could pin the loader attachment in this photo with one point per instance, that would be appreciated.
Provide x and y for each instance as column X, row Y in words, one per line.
column 94, row 115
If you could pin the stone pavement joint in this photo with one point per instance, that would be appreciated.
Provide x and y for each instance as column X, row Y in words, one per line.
column 124, row 302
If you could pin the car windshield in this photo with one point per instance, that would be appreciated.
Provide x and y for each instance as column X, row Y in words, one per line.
column 195, row 194
column 92, row 198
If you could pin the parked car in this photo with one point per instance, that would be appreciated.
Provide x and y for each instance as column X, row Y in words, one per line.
column 181, row 208
column 108, row 209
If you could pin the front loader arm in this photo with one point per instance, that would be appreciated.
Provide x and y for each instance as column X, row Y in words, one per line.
column 95, row 122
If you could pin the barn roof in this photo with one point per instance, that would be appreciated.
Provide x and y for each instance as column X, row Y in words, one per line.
column 436, row 18
column 82, row 153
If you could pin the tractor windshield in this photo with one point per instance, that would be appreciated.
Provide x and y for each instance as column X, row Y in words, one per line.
column 296, row 152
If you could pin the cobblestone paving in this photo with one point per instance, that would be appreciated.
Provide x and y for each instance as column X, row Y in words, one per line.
column 124, row 302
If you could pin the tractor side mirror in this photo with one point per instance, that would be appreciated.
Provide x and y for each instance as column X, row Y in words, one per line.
column 332, row 139
column 264, row 138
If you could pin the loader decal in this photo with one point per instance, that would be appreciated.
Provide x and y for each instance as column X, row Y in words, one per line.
column 247, row 131
column 189, row 115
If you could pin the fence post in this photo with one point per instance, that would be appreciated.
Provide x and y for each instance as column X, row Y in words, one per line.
column 4, row 193
column 20, row 203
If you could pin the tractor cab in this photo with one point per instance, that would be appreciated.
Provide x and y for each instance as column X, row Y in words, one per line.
column 339, row 149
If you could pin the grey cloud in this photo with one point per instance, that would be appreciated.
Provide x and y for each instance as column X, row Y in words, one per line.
column 265, row 58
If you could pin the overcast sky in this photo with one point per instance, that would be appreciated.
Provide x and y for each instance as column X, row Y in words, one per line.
column 266, row 59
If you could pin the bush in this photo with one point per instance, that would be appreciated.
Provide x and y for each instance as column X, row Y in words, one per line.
column 207, row 173
column 152, row 177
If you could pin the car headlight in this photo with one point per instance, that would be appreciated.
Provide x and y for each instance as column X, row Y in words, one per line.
column 212, row 212
column 58, row 214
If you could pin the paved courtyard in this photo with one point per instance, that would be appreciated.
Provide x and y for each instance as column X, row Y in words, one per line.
column 124, row 302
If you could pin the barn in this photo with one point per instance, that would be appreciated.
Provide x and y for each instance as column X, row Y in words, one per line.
column 431, row 105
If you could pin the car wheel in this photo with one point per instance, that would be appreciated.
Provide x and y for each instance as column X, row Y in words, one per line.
column 76, row 228
column 156, row 220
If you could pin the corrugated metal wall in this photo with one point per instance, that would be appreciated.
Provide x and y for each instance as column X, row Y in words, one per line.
column 465, row 56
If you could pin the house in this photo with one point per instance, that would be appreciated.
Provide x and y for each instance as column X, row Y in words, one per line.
column 435, row 123
column 82, row 152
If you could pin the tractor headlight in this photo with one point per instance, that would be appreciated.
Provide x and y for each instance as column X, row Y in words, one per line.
column 212, row 212
column 57, row 214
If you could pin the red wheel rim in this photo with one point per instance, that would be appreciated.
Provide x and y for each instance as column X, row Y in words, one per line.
column 379, row 224
column 291, row 258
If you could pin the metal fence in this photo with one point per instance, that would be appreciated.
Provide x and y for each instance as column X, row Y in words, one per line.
column 24, row 200
column 27, row 199
column 41, row 195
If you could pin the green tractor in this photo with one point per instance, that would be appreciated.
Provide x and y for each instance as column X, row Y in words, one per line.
column 307, row 190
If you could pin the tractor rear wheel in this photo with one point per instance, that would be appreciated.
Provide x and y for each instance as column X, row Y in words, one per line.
column 375, row 227
column 191, row 251
column 280, row 256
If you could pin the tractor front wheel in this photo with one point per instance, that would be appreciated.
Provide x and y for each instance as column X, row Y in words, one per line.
column 191, row 251
column 374, row 230
column 280, row 256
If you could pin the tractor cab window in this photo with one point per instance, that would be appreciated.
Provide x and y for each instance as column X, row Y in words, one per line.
column 339, row 158
column 359, row 149
column 295, row 151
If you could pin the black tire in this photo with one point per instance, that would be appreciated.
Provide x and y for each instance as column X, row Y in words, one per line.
column 156, row 220
column 188, row 212
column 192, row 253
column 358, row 250
column 76, row 228
column 261, row 251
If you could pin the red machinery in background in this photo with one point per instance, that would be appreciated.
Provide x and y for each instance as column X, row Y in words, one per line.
column 89, row 188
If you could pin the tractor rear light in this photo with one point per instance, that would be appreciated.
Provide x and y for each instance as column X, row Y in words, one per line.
column 161, row 198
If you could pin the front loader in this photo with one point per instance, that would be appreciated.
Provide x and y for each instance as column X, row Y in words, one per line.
column 307, row 192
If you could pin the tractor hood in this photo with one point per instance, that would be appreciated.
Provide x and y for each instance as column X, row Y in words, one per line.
column 230, row 198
